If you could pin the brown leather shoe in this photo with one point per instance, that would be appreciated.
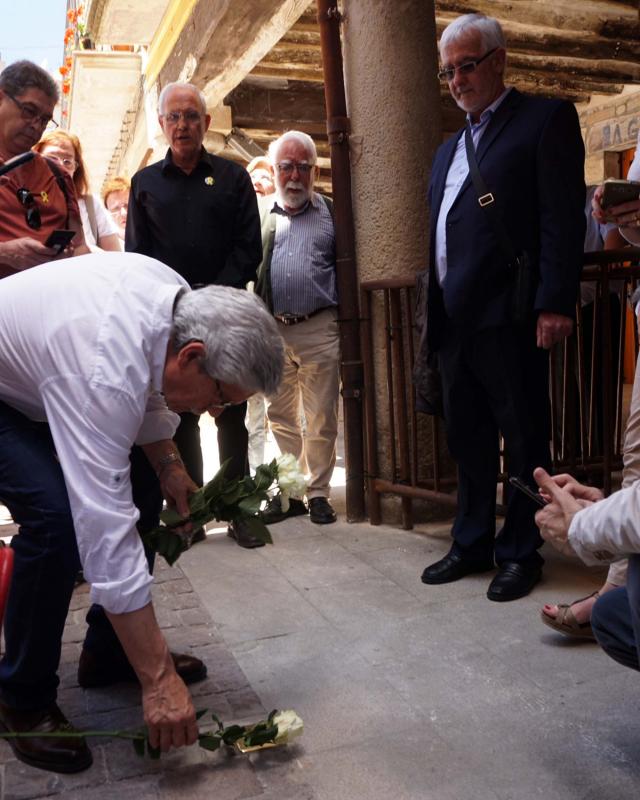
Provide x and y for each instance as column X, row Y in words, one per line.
column 93, row 673
column 55, row 754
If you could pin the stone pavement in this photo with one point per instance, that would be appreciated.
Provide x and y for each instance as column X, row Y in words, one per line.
column 117, row 770
column 407, row 691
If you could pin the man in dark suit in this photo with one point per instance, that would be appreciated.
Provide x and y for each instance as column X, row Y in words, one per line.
column 495, row 368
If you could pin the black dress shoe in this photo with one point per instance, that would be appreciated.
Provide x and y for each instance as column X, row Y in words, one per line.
column 55, row 754
column 240, row 533
column 513, row 581
column 273, row 512
column 321, row 512
column 94, row 673
column 451, row 568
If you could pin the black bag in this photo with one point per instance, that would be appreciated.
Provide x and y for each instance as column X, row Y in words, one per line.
column 426, row 374
column 523, row 289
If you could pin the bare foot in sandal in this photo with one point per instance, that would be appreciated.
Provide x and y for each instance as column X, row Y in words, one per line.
column 573, row 619
column 580, row 609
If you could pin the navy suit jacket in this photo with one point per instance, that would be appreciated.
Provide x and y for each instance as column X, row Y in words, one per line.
column 531, row 157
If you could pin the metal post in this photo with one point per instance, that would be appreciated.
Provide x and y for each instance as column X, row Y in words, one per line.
column 351, row 358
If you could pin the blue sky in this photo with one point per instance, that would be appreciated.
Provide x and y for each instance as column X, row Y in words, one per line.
column 33, row 29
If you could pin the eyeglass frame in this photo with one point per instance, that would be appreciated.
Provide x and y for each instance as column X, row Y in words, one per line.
column 31, row 116
column 467, row 68
column 173, row 117
column 116, row 211
column 288, row 167
column 31, row 210
column 65, row 162
column 224, row 404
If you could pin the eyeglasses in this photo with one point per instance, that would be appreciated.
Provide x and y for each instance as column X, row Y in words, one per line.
column 116, row 211
column 30, row 113
column 223, row 403
column 467, row 68
column 32, row 215
column 190, row 117
column 69, row 163
column 287, row 167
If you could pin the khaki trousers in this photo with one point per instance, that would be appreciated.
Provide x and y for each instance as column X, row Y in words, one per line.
column 310, row 387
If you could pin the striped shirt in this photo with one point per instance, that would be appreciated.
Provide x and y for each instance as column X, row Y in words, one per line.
column 303, row 264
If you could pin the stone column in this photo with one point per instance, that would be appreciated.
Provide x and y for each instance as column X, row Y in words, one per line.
column 393, row 96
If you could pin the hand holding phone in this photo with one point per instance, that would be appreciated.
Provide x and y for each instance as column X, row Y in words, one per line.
column 615, row 192
column 522, row 487
column 59, row 239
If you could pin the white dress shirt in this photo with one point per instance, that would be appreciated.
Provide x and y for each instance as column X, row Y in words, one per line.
column 83, row 343
column 608, row 530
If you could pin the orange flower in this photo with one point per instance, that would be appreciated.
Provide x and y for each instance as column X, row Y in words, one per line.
column 63, row 70
column 80, row 10
column 70, row 14
column 66, row 88
column 68, row 62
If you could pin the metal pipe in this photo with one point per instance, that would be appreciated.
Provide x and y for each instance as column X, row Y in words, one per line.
column 347, row 279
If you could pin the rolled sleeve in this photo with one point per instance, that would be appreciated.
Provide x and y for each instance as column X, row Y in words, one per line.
column 159, row 422
column 93, row 441
column 608, row 530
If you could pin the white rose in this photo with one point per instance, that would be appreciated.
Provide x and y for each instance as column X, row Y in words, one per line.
column 289, row 725
column 291, row 481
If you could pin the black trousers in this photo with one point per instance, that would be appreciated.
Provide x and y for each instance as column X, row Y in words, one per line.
column 233, row 442
column 495, row 381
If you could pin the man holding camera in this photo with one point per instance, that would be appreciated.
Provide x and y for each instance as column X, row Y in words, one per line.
column 491, row 340
column 37, row 201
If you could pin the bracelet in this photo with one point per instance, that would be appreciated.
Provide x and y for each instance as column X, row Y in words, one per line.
column 170, row 458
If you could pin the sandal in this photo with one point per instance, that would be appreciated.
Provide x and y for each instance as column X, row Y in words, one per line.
column 566, row 622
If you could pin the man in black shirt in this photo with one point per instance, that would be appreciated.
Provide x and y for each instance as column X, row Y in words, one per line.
column 197, row 213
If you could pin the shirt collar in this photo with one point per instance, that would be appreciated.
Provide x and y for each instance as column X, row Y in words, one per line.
column 314, row 200
column 488, row 112
column 205, row 158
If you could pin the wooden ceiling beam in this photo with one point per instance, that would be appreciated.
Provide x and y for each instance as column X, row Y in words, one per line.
column 608, row 17
column 545, row 39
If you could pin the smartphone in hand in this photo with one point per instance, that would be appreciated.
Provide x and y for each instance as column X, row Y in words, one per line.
column 615, row 192
column 522, row 487
column 59, row 239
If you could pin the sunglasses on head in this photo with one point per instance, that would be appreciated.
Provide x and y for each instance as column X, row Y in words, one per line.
column 32, row 214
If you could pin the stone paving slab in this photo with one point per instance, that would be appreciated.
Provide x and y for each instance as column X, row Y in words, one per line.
column 189, row 772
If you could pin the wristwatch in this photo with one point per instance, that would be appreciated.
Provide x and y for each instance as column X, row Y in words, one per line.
column 171, row 458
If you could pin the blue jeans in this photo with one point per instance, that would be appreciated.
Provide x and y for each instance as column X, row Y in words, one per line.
column 46, row 560
column 615, row 619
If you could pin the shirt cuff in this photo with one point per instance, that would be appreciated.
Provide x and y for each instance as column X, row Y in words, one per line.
column 130, row 594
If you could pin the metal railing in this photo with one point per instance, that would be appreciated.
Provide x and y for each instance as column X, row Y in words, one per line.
column 586, row 389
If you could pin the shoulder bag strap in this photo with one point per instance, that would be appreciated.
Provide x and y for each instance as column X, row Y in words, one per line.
column 61, row 183
column 486, row 199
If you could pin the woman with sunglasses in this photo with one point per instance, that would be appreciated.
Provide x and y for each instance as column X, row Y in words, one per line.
column 64, row 149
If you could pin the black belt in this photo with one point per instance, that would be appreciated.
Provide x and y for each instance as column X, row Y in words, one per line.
column 292, row 319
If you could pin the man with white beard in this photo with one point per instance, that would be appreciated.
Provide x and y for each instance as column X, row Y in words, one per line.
column 297, row 281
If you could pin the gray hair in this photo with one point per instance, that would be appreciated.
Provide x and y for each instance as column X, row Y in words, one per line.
column 241, row 339
column 181, row 85
column 296, row 136
column 22, row 75
column 491, row 34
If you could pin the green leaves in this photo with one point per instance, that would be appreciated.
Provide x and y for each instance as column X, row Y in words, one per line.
column 221, row 499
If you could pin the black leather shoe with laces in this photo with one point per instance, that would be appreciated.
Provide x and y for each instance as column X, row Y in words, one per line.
column 321, row 512
column 273, row 512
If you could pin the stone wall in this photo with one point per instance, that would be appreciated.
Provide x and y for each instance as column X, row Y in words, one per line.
column 609, row 124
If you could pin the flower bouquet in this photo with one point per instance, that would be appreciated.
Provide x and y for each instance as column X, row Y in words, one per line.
column 227, row 500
